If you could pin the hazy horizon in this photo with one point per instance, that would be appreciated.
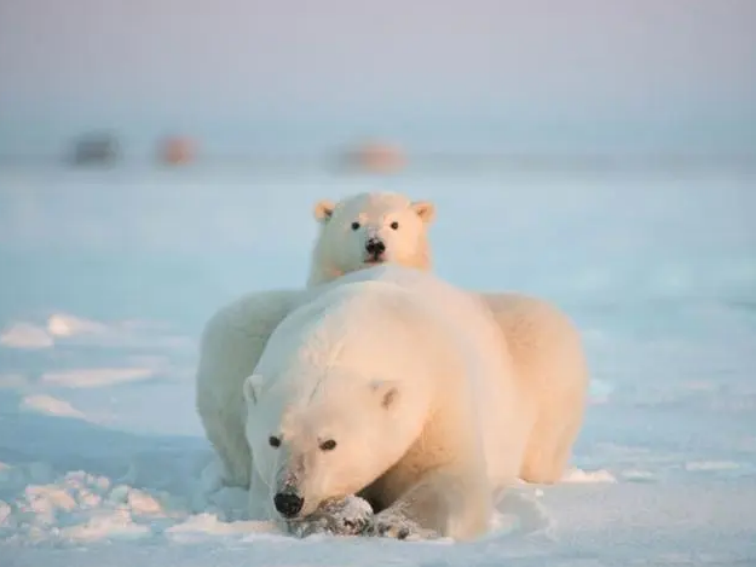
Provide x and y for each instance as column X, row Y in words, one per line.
column 492, row 76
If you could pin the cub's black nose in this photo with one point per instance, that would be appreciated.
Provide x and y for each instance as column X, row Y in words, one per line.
column 288, row 504
column 375, row 247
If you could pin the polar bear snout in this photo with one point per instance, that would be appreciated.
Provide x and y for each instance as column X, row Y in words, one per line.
column 288, row 498
column 288, row 504
column 375, row 249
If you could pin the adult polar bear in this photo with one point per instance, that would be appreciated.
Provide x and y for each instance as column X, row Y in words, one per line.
column 390, row 383
column 355, row 234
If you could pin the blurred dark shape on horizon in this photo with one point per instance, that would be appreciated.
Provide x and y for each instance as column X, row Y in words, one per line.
column 177, row 150
column 374, row 156
column 97, row 148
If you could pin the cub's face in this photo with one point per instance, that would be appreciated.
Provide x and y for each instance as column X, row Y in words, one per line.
column 372, row 229
column 330, row 446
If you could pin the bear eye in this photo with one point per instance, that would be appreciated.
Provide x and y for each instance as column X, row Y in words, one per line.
column 355, row 225
column 394, row 225
column 329, row 445
column 274, row 441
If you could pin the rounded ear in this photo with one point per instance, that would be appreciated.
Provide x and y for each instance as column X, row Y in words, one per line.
column 387, row 391
column 251, row 388
column 425, row 210
column 324, row 210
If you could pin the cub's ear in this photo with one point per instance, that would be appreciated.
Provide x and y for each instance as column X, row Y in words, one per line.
column 425, row 210
column 251, row 388
column 387, row 392
column 323, row 210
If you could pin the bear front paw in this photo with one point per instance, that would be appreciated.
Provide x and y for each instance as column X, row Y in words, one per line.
column 398, row 527
column 344, row 516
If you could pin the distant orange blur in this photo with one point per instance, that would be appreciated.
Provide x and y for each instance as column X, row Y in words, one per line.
column 178, row 150
column 377, row 157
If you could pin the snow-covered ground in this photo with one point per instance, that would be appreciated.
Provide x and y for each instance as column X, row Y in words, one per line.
column 107, row 277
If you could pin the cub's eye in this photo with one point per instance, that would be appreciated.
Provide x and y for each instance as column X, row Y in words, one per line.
column 355, row 225
column 394, row 225
column 274, row 441
column 329, row 445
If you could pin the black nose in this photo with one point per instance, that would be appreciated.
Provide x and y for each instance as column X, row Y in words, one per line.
column 288, row 504
column 375, row 247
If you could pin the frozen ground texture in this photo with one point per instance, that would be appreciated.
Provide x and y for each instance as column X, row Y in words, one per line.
column 107, row 277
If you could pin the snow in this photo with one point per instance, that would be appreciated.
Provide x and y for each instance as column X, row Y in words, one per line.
column 53, row 406
column 25, row 335
column 106, row 286
column 95, row 377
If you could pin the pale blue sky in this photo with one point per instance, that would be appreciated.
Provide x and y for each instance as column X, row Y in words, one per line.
column 555, row 75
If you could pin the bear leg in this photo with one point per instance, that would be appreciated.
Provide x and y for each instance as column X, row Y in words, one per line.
column 227, row 437
column 339, row 516
column 445, row 502
column 548, row 451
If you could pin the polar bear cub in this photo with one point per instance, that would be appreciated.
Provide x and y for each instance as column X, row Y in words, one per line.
column 393, row 384
column 368, row 229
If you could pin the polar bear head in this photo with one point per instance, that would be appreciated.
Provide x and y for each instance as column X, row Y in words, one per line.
column 369, row 229
column 330, row 442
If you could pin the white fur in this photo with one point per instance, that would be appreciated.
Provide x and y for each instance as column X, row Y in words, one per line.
column 552, row 370
column 545, row 345
column 231, row 344
column 411, row 378
column 346, row 226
